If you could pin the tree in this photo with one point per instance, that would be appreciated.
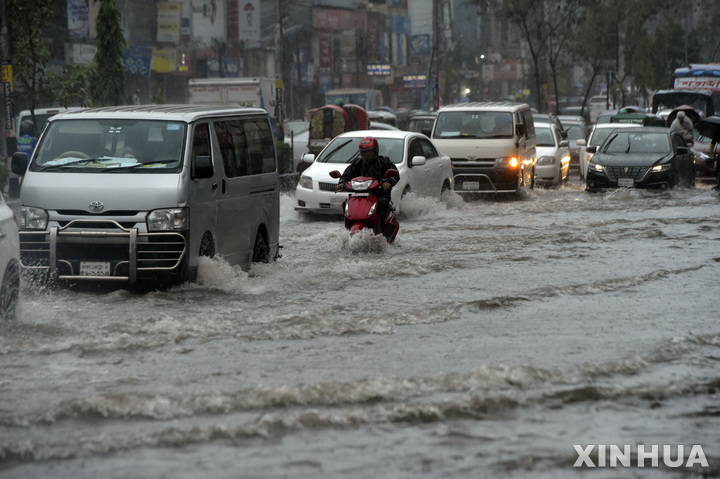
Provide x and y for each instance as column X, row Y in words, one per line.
column 108, row 83
column 29, row 51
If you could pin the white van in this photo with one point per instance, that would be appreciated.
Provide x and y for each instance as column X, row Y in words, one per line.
column 137, row 194
column 41, row 116
column 491, row 145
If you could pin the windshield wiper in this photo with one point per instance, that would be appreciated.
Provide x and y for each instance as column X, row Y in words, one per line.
column 331, row 153
column 80, row 161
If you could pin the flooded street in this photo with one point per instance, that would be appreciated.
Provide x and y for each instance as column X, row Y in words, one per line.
column 487, row 342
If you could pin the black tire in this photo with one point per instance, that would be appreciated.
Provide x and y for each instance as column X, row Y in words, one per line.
column 261, row 250
column 10, row 292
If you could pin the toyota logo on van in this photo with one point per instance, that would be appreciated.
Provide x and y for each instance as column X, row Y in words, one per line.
column 96, row 206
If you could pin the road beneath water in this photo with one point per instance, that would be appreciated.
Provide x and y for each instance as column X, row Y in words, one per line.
column 489, row 341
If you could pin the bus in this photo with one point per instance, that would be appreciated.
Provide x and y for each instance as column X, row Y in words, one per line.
column 699, row 76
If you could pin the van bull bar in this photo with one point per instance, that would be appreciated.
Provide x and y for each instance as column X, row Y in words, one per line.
column 101, row 250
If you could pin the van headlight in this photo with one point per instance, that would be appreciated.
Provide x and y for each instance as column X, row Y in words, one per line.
column 172, row 219
column 509, row 162
column 33, row 218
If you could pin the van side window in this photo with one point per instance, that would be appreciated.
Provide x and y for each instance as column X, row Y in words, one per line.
column 527, row 120
column 261, row 146
column 232, row 145
column 201, row 141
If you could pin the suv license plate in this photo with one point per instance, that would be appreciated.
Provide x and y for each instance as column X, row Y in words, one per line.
column 94, row 269
column 471, row 185
column 626, row 182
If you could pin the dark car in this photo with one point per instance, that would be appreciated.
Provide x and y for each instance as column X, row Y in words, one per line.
column 642, row 157
column 421, row 122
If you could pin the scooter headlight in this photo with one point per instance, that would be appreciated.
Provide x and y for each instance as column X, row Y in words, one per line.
column 361, row 185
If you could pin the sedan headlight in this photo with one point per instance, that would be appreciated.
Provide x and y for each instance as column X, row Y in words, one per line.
column 172, row 219
column 546, row 160
column 306, row 182
column 659, row 168
column 33, row 218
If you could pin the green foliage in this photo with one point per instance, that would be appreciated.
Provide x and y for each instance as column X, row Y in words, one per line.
column 284, row 159
column 107, row 86
column 70, row 87
column 29, row 50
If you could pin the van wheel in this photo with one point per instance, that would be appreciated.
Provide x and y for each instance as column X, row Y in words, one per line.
column 261, row 251
column 207, row 246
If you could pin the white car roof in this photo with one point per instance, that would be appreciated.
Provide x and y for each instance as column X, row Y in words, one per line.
column 489, row 106
column 185, row 113
column 379, row 134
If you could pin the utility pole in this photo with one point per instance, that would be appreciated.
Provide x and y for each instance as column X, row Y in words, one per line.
column 5, row 108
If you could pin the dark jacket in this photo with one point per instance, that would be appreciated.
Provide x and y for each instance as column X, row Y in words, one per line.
column 375, row 170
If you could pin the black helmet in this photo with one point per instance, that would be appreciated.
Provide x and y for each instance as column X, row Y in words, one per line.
column 27, row 127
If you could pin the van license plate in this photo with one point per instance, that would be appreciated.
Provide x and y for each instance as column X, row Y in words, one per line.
column 471, row 185
column 623, row 182
column 94, row 269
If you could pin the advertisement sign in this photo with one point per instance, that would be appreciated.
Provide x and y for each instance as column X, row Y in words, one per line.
column 249, row 21
column 137, row 60
column 419, row 45
column 168, row 22
column 78, row 12
column 414, row 81
column 8, row 88
column 379, row 69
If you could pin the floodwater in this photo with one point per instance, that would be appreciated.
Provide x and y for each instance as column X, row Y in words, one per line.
column 488, row 342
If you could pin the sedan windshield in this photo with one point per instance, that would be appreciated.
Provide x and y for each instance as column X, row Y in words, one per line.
column 636, row 143
column 111, row 145
column 345, row 150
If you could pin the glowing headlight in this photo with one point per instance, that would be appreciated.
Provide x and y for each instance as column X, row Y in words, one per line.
column 546, row 160
column 172, row 219
column 361, row 185
column 306, row 182
column 509, row 162
column 596, row 167
column 659, row 168
column 33, row 218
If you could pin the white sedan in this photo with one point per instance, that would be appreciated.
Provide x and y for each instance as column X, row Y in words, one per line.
column 553, row 155
column 423, row 170
column 597, row 135
column 9, row 261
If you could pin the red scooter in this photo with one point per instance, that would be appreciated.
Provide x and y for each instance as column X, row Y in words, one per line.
column 362, row 205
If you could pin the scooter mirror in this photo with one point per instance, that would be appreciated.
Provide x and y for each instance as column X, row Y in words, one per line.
column 335, row 174
column 391, row 173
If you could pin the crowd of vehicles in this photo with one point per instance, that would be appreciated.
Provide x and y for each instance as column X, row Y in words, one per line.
column 138, row 194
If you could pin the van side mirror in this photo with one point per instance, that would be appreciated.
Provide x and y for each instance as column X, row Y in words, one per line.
column 520, row 130
column 202, row 168
column 19, row 163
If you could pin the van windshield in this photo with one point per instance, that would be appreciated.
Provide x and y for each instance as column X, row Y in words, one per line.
column 110, row 145
column 474, row 124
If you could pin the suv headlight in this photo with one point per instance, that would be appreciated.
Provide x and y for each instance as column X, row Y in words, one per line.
column 596, row 167
column 306, row 182
column 171, row 219
column 546, row 160
column 33, row 218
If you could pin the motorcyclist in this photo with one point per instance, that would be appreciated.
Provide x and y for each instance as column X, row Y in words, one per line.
column 371, row 164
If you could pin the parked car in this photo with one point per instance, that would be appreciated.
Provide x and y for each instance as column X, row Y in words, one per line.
column 553, row 155
column 423, row 169
column 9, row 261
column 595, row 138
column 641, row 157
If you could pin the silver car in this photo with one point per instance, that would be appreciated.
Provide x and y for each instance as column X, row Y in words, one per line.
column 9, row 261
